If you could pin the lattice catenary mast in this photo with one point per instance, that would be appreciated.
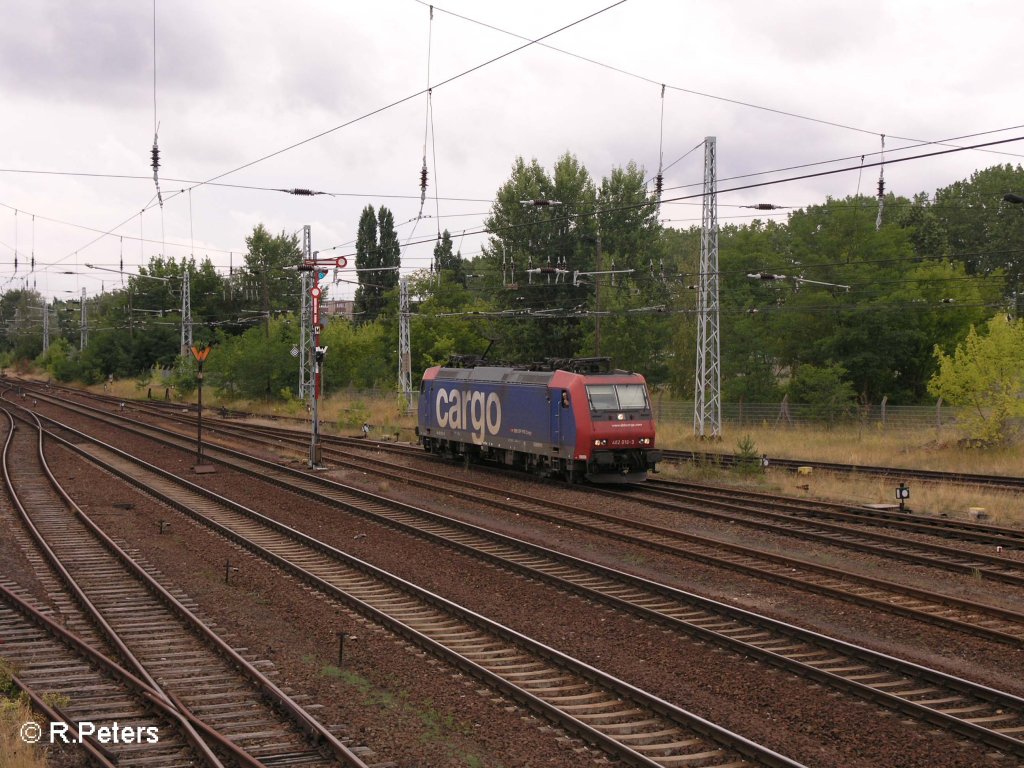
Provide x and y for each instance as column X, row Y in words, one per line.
column 83, row 333
column 404, row 347
column 305, row 337
column 707, row 402
column 186, row 313
column 46, row 326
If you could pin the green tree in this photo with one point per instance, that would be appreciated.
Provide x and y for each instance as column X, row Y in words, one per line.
column 881, row 329
column 447, row 264
column 449, row 320
column 21, row 331
column 532, row 254
column 985, row 376
column 269, row 265
column 627, row 221
column 365, row 302
column 984, row 231
column 389, row 251
column 256, row 364
column 60, row 361
column 822, row 388
column 378, row 257
column 359, row 355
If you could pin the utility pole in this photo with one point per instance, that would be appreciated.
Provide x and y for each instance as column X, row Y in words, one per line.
column 46, row 326
column 707, row 402
column 186, row 312
column 404, row 348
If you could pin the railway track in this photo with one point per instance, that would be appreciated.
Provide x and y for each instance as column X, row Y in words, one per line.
column 70, row 683
column 856, row 515
column 727, row 460
column 221, row 694
column 622, row 720
column 974, row 711
column 950, row 612
column 776, row 519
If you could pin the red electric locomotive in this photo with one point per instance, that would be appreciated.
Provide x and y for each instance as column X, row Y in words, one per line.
column 575, row 418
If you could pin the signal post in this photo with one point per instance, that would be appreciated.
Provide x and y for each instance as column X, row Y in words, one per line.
column 200, row 353
column 318, row 269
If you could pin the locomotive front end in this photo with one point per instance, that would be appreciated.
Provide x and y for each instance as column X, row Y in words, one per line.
column 621, row 435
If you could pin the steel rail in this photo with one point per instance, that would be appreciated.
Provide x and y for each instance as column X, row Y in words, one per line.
column 665, row 539
column 533, row 702
column 269, row 689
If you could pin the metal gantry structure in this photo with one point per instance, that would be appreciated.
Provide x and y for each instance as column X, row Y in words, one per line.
column 306, row 351
column 46, row 326
column 83, row 333
column 707, row 399
column 404, row 346
column 186, row 313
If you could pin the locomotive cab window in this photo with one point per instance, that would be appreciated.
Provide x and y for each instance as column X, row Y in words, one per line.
column 616, row 397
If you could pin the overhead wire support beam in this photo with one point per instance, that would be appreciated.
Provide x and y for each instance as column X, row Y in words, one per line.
column 707, row 401
column 577, row 274
column 798, row 279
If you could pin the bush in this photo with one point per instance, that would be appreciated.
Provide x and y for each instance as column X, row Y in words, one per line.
column 748, row 461
column 828, row 396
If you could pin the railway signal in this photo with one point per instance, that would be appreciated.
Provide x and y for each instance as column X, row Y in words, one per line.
column 902, row 494
column 318, row 267
column 200, row 354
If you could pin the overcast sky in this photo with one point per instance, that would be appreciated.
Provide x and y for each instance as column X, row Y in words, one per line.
column 307, row 85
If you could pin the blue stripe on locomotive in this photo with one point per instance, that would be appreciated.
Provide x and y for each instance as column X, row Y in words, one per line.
column 529, row 416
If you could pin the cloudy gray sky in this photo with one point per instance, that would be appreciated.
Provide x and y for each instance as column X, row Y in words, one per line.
column 263, row 94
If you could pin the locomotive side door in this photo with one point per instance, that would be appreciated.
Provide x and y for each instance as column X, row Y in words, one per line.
column 559, row 425
column 557, row 396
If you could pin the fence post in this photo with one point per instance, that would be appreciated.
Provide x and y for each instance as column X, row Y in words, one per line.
column 938, row 414
column 885, row 402
column 784, row 411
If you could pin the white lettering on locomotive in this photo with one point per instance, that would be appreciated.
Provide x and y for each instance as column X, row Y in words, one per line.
column 468, row 410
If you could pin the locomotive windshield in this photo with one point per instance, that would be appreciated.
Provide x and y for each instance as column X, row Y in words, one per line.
column 617, row 397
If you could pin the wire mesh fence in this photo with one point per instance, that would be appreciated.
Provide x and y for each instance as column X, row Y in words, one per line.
column 786, row 414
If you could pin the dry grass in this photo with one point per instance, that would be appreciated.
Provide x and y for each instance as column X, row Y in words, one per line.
column 924, row 448
column 14, row 752
column 956, row 502
column 344, row 411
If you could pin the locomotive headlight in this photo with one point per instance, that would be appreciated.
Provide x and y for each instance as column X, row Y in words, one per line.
column 621, row 417
column 645, row 441
column 600, row 441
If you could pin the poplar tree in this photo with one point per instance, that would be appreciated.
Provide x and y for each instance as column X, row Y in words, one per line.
column 378, row 256
column 366, row 259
